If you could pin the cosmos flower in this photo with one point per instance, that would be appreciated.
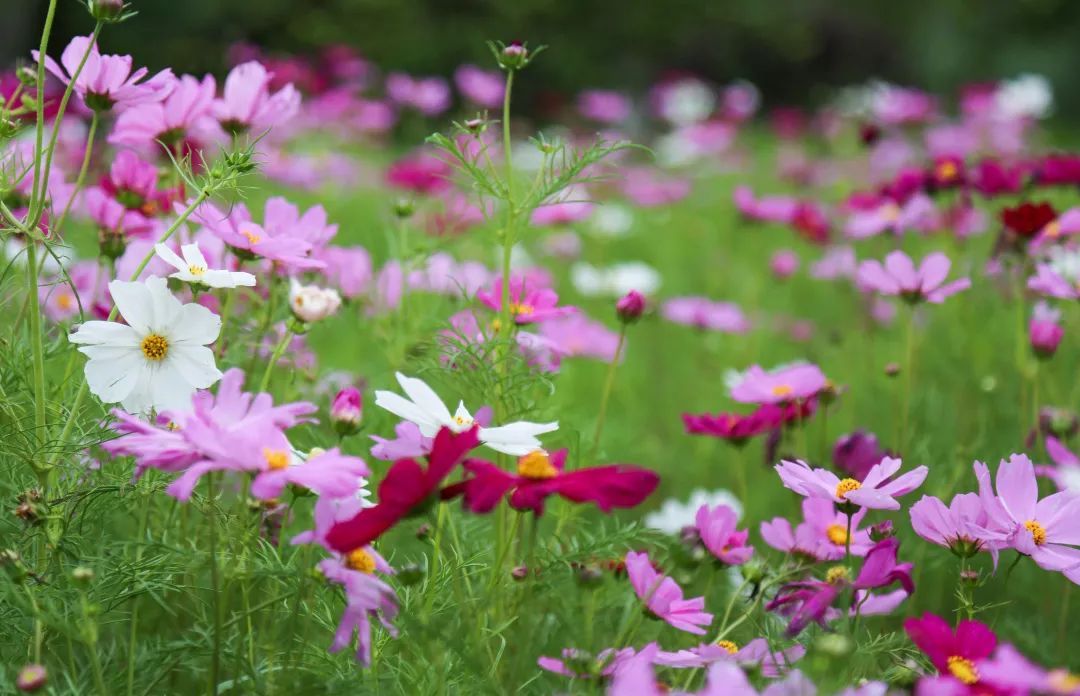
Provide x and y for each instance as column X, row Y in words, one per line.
column 757, row 654
column 716, row 529
column 107, row 81
column 1010, row 671
column 888, row 216
column 796, row 382
column 960, row 527
column 579, row 664
column 738, row 429
column 184, row 115
column 286, row 245
column 158, row 358
column 1066, row 472
column 194, row 269
column 246, row 103
column 664, row 597
column 898, row 276
column 674, row 515
column 955, row 655
column 878, row 491
column 822, row 535
column 604, row 106
column 424, row 407
column 540, row 476
column 484, row 88
column 1045, row 331
column 857, row 453
column 366, row 596
column 528, row 303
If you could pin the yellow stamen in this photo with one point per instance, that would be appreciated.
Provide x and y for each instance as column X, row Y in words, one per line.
column 517, row 308
column 1063, row 681
column 837, row 574
column 846, row 486
column 173, row 426
column 65, row 301
column 1052, row 229
column 196, row 271
column 361, row 560
column 963, row 669
column 728, row 645
column 890, row 212
column 536, row 465
column 252, row 237
column 782, row 390
column 1038, row 532
column 947, row 170
column 837, row 534
column 155, row 347
column 275, row 459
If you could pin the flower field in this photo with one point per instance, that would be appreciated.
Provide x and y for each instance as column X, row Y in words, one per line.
column 649, row 393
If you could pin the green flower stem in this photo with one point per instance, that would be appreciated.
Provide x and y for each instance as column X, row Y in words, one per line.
column 81, row 178
column 605, row 395
column 279, row 349
column 38, row 352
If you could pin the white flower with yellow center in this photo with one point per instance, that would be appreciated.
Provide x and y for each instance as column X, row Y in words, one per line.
column 158, row 358
column 427, row 410
column 194, row 269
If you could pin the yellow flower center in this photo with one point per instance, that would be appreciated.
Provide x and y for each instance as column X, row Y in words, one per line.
column 947, row 170
column 496, row 325
column 517, row 308
column 890, row 212
column 173, row 426
column 837, row 534
column 155, row 347
column 196, row 270
column 728, row 645
column 359, row 559
column 275, row 459
column 963, row 669
column 1052, row 229
column 782, row 390
column 65, row 301
column 846, row 486
column 536, row 465
column 837, row 574
column 1063, row 681
column 252, row 237
column 1038, row 532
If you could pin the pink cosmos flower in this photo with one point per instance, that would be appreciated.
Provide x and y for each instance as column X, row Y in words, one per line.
column 1066, row 473
column 579, row 664
column 894, row 105
column 246, row 103
column 1051, row 282
column 836, row 262
column 183, row 115
column 782, row 385
column 899, row 277
column 133, row 182
column 540, row 476
column 716, row 529
column 278, row 240
column 766, row 209
column 428, row 95
column 955, row 655
column 107, row 81
column 60, row 302
column 647, row 188
column 578, row 335
column 664, row 597
column 635, row 677
column 811, row 600
column 1011, row 672
column 112, row 218
column 283, row 219
column 528, row 303
column 704, row 313
column 888, row 216
column 1048, row 530
column 482, row 87
column 738, row 429
column 876, row 491
column 857, row 453
column 570, row 208
column 784, row 263
column 1044, row 330
column 421, row 172
column 604, row 106
column 822, row 535
column 960, row 527
column 366, row 596
column 1063, row 227
column 757, row 654
column 347, row 268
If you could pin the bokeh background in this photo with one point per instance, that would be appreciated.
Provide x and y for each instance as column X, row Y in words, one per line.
column 796, row 52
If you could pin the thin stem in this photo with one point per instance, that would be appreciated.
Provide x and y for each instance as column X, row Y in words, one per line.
column 91, row 638
column 909, row 367
column 609, row 383
column 215, row 583
column 38, row 351
column 39, row 136
column 81, row 178
column 279, row 349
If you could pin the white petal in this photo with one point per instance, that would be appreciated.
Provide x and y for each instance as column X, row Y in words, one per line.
column 170, row 257
column 105, row 333
column 193, row 255
column 407, row 410
column 165, row 307
column 425, row 398
column 194, row 325
column 135, row 304
column 139, row 400
column 520, row 429
column 112, row 377
column 195, row 363
column 170, row 389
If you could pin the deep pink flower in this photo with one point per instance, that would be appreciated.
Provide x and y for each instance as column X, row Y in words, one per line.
column 766, row 209
column 1059, row 229
column 821, row 536
column 421, row 172
column 857, row 453
column 704, row 313
column 630, row 307
column 738, row 429
column 482, row 87
column 1044, row 330
column 1048, row 530
column 782, row 385
column 107, row 81
column 992, row 178
column 716, row 529
column 246, row 103
column 876, row 491
column 347, row 410
column 899, row 277
column 540, row 476
column 528, row 303
column 811, row 600
column 664, row 597
column 406, row 487
column 604, row 106
column 955, row 655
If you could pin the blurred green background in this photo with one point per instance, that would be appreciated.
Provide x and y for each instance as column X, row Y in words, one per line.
column 793, row 50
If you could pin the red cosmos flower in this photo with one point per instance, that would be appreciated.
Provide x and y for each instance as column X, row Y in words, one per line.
column 407, row 486
column 540, row 475
column 948, row 172
column 810, row 221
column 738, row 429
column 1027, row 219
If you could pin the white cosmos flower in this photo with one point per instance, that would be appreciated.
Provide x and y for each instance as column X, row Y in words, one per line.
column 615, row 280
column 427, row 410
column 194, row 269
column 158, row 358
column 674, row 514
column 310, row 303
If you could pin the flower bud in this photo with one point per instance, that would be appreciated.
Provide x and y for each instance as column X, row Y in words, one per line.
column 519, row 573
column 26, row 76
column 970, row 577
column 1045, row 332
column 346, row 411
column 753, row 571
column 404, row 208
column 476, row 126
column 882, row 530
column 515, row 55
column 310, row 303
column 111, row 243
column 589, row 575
column 892, row 369
column 31, row 678
column 106, row 10
column 630, row 307
column 83, row 575
column 409, row 574
column 784, row 263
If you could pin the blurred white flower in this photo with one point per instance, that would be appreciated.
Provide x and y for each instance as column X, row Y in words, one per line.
column 674, row 515
column 310, row 303
column 615, row 280
column 611, row 220
column 1026, row 96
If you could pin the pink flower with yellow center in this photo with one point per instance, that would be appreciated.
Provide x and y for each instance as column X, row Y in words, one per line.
column 877, row 491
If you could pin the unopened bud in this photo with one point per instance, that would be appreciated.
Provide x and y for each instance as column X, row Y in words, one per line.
column 404, row 208
column 519, row 573
column 346, row 411
column 409, row 574
column 111, row 243
column 31, row 678
column 423, row 531
column 476, row 126
column 83, row 575
column 970, row 577
column 882, row 530
column 106, row 10
column 589, row 576
column 892, row 369
column 630, row 307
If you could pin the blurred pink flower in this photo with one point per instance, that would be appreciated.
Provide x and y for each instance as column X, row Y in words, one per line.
column 107, row 81
column 482, row 87
column 664, row 597
column 898, row 276
column 604, row 106
column 704, row 313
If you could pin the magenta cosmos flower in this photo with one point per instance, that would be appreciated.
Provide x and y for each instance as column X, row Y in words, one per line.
column 888, row 216
column 821, row 536
column 878, row 491
column 716, row 529
column 107, row 81
column 528, row 303
column 898, row 276
column 1048, row 530
column 738, row 428
column 782, row 385
column 664, row 597
column 955, row 655
column 857, row 453
column 580, row 664
column 482, row 87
